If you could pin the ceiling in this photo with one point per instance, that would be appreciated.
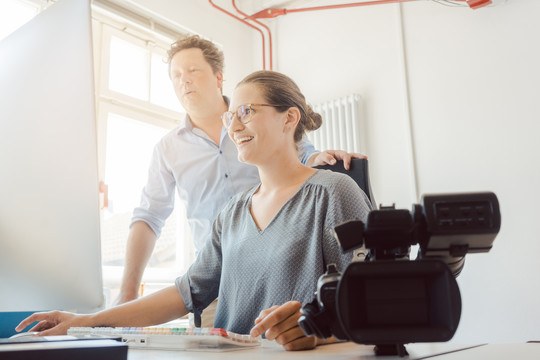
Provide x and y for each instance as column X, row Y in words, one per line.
column 252, row 7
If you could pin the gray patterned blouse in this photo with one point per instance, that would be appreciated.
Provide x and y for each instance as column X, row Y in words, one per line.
column 251, row 270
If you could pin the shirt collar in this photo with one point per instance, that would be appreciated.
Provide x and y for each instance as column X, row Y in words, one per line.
column 187, row 125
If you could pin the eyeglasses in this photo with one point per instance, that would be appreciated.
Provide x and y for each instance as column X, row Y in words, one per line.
column 244, row 114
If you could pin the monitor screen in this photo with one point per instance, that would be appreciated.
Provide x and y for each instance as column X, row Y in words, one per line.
column 49, row 203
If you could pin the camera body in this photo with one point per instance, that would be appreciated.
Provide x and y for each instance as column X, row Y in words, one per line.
column 389, row 299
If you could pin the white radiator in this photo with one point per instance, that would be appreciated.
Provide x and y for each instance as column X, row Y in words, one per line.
column 342, row 127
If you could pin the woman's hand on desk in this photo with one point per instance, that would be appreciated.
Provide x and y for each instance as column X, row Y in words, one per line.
column 280, row 323
column 53, row 322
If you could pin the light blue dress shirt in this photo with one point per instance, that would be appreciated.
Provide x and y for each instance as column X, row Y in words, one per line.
column 206, row 176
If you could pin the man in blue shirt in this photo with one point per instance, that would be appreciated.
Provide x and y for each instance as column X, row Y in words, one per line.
column 197, row 160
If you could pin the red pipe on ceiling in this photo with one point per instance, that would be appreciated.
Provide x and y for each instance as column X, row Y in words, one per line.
column 261, row 24
column 272, row 12
column 476, row 4
column 246, row 23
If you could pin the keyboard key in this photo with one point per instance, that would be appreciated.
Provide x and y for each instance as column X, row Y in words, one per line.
column 206, row 339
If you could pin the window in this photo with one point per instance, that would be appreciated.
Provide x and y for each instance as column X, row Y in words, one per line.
column 129, row 143
column 136, row 107
column 128, row 69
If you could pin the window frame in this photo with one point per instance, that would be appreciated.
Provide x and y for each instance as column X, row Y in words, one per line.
column 104, row 93
column 109, row 101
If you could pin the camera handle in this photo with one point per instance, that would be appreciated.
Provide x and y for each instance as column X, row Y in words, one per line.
column 319, row 315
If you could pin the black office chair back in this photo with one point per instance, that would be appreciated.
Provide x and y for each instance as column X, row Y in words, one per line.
column 358, row 171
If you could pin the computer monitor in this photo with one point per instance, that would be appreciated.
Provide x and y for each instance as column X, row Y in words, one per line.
column 50, row 255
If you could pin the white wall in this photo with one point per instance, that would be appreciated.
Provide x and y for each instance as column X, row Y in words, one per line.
column 356, row 50
column 473, row 80
column 474, row 88
column 473, row 76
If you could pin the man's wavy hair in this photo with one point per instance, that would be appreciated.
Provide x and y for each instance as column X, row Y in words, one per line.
column 211, row 53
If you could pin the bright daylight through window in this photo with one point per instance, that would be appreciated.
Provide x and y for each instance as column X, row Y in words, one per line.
column 136, row 106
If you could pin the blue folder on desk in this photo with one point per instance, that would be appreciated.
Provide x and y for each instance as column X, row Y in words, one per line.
column 9, row 320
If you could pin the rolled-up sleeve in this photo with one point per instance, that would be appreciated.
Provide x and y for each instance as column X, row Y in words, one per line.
column 157, row 199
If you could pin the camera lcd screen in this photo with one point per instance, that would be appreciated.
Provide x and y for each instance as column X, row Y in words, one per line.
column 398, row 301
column 405, row 304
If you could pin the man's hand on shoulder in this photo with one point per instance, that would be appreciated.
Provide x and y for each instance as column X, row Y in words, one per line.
column 330, row 157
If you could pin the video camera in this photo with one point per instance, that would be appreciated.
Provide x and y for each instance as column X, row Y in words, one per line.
column 388, row 300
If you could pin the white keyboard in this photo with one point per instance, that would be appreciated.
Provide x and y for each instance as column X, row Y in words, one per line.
column 161, row 338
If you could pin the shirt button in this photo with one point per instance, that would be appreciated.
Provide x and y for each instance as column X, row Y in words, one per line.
column 226, row 175
column 221, row 152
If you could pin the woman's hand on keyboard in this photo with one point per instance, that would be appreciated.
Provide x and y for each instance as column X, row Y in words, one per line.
column 280, row 323
column 53, row 322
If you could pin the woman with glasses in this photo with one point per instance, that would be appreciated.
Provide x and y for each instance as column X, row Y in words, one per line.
column 269, row 245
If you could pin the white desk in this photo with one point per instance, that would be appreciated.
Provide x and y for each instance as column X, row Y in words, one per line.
column 497, row 352
column 344, row 351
